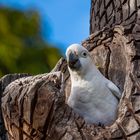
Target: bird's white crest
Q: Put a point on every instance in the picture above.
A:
(86, 62)
(93, 96)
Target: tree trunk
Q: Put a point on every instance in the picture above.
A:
(34, 107)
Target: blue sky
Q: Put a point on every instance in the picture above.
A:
(68, 20)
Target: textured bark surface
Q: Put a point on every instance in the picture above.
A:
(34, 107)
(3, 83)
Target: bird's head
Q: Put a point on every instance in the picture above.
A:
(78, 58)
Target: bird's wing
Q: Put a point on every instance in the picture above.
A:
(114, 89)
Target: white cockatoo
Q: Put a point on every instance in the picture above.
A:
(92, 96)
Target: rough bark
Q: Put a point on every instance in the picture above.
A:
(34, 107)
(3, 83)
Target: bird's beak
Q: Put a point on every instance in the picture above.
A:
(73, 61)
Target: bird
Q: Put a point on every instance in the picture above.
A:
(93, 96)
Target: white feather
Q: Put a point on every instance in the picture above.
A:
(92, 95)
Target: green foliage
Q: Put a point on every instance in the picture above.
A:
(22, 49)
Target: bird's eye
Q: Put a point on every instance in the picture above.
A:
(84, 54)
